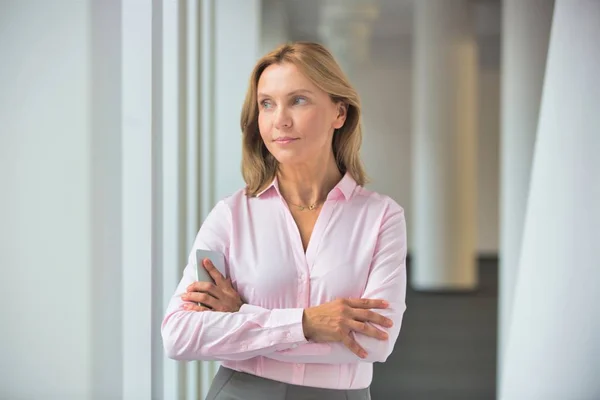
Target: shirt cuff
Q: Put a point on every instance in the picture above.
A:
(285, 326)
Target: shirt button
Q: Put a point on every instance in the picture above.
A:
(298, 366)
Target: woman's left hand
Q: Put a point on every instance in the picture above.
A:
(218, 296)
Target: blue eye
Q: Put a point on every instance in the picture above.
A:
(266, 104)
(299, 100)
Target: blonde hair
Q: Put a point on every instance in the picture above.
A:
(317, 64)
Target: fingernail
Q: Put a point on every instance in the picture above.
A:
(184, 296)
(186, 306)
(385, 303)
(390, 323)
(363, 354)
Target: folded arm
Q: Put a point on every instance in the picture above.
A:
(191, 335)
(387, 281)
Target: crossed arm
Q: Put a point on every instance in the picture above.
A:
(281, 334)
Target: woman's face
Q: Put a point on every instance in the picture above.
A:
(296, 119)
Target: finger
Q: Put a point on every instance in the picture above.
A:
(203, 298)
(372, 316)
(367, 303)
(353, 345)
(194, 307)
(228, 285)
(206, 287)
(367, 329)
(213, 271)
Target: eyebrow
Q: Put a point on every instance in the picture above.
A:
(292, 93)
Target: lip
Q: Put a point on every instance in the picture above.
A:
(285, 140)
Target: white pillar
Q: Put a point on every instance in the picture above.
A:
(444, 146)
(201, 374)
(175, 149)
(525, 35)
(553, 347)
(138, 192)
(207, 107)
(237, 48)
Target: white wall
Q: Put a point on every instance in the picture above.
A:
(385, 87)
(106, 265)
(274, 29)
(45, 252)
(60, 248)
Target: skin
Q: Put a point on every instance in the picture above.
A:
(297, 121)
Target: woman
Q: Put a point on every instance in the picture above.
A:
(316, 278)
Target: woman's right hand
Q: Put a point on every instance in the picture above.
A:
(337, 320)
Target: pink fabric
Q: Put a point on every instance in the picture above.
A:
(357, 249)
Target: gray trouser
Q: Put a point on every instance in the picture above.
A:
(233, 385)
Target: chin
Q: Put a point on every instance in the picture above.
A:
(289, 158)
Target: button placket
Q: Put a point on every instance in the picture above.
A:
(303, 288)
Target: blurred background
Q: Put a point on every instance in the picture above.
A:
(119, 131)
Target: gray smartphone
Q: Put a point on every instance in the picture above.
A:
(218, 260)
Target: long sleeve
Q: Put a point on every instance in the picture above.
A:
(190, 335)
(387, 280)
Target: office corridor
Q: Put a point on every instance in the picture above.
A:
(447, 346)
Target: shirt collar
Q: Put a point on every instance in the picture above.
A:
(274, 184)
(345, 187)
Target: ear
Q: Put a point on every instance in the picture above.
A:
(341, 115)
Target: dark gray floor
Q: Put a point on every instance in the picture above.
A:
(447, 346)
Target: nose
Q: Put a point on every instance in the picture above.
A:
(283, 120)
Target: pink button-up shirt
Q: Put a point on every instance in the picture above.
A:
(357, 249)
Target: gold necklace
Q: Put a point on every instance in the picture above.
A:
(302, 208)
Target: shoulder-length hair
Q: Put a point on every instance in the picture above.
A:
(317, 64)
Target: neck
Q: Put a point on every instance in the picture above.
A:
(307, 184)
